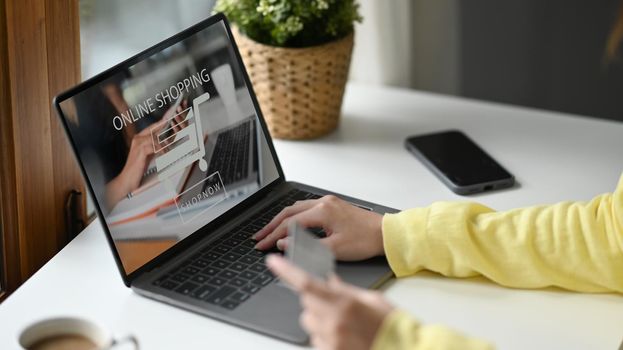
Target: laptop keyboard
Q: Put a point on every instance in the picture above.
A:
(231, 154)
(229, 270)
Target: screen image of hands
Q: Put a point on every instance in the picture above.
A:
(141, 152)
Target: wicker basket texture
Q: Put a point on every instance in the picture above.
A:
(299, 90)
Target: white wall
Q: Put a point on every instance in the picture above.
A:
(408, 43)
(113, 30)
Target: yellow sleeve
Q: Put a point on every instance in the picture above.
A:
(399, 331)
(572, 245)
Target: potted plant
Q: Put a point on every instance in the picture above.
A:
(297, 53)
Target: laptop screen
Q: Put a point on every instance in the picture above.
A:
(169, 141)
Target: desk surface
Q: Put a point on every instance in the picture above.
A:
(554, 157)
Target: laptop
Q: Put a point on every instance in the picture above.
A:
(192, 248)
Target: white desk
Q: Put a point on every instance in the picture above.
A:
(555, 157)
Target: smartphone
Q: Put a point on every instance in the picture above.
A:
(459, 162)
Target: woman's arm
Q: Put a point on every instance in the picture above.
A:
(573, 245)
(337, 315)
(400, 331)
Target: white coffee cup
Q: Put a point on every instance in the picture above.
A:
(71, 326)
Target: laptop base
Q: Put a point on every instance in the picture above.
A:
(274, 309)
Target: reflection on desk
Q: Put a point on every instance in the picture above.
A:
(135, 254)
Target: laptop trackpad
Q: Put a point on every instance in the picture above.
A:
(365, 274)
(277, 308)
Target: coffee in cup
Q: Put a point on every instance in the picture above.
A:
(64, 342)
(69, 333)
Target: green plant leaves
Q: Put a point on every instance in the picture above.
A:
(292, 23)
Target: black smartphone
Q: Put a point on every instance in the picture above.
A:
(459, 162)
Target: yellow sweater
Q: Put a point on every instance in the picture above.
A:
(573, 245)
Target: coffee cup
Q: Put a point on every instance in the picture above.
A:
(64, 333)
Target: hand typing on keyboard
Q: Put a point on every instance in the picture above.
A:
(352, 233)
(228, 271)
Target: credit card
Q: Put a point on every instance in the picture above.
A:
(305, 251)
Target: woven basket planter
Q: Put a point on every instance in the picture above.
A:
(300, 90)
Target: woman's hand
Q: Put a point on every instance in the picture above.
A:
(335, 315)
(178, 122)
(352, 233)
(130, 177)
(173, 121)
(142, 148)
(143, 145)
(141, 151)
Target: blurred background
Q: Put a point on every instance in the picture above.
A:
(541, 54)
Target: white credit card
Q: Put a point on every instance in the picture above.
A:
(305, 251)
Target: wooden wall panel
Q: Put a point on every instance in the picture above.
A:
(63, 73)
(8, 200)
(42, 53)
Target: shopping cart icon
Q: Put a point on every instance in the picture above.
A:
(175, 150)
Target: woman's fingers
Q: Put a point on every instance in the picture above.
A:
(159, 125)
(282, 244)
(178, 123)
(315, 326)
(143, 144)
(315, 294)
(289, 273)
(312, 217)
(145, 151)
(285, 213)
(295, 277)
(331, 241)
(320, 302)
(307, 321)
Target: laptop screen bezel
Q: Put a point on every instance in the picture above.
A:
(222, 219)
